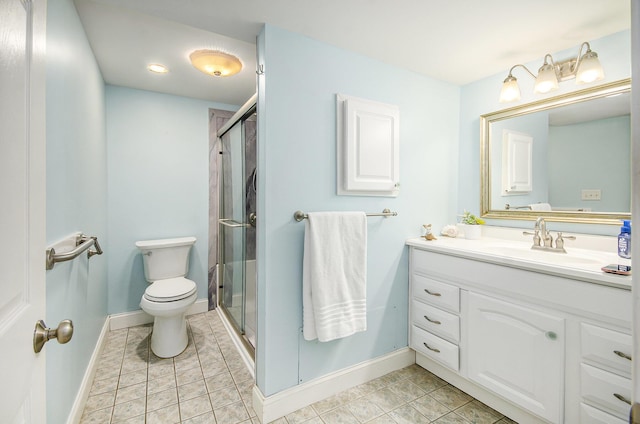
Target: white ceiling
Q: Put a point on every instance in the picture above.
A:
(459, 41)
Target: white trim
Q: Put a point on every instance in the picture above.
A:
(131, 319)
(287, 401)
(85, 387)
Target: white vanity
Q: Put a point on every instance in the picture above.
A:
(539, 336)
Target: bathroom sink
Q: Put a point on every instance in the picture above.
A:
(524, 252)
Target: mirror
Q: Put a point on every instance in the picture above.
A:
(567, 158)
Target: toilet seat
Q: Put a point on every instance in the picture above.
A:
(170, 290)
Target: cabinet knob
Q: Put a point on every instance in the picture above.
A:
(622, 354)
(551, 335)
(431, 348)
(432, 320)
(432, 293)
(622, 398)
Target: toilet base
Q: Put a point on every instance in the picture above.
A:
(169, 337)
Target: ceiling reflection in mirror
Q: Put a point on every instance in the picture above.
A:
(567, 158)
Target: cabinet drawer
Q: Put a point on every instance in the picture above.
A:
(436, 320)
(436, 293)
(606, 347)
(435, 347)
(591, 415)
(601, 387)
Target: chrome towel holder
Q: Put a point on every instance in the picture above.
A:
(299, 215)
(83, 242)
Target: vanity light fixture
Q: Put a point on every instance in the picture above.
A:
(215, 62)
(157, 68)
(585, 68)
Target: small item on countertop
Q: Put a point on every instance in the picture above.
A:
(624, 240)
(428, 234)
(617, 269)
(450, 231)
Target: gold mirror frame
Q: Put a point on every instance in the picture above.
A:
(610, 218)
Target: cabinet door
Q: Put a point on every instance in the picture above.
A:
(518, 353)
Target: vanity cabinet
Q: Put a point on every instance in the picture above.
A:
(536, 346)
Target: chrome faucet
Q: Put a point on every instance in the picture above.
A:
(542, 239)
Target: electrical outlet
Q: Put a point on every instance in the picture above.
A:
(592, 194)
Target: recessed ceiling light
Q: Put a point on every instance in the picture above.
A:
(157, 68)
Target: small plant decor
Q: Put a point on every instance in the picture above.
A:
(470, 219)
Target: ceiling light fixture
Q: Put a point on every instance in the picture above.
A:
(157, 68)
(585, 68)
(215, 63)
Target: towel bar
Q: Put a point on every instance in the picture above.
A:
(83, 242)
(299, 215)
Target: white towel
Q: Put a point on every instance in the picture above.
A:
(334, 275)
(545, 207)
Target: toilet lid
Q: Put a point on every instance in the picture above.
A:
(170, 290)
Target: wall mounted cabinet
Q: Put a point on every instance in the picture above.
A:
(368, 148)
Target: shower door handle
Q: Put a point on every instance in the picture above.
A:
(231, 223)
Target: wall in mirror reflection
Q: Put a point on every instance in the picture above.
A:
(569, 155)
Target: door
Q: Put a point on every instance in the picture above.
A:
(22, 215)
(518, 353)
(233, 225)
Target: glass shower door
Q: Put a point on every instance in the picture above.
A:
(232, 225)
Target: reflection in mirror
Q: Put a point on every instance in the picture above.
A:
(567, 158)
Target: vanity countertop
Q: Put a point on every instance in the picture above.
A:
(578, 264)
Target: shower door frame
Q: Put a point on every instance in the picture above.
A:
(248, 109)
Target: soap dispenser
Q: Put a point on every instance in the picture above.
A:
(624, 240)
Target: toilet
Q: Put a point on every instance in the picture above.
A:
(169, 294)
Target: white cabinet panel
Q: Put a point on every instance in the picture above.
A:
(518, 353)
(606, 347)
(590, 415)
(435, 347)
(368, 147)
(517, 150)
(439, 294)
(436, 320)
(605, 390)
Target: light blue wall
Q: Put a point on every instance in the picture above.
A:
(481, 97)
(600, 159)
(76, 201)
(537, 126)
(158, 183)
(297, 170)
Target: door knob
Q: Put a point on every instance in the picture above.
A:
(42, 334)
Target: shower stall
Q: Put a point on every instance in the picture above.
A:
(237, 224)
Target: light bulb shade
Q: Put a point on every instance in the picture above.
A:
(546, 79)
(215, 63)
(589, 69)
(510, 90)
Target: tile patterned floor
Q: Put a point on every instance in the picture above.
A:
(209, 384)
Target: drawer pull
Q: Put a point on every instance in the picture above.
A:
(432, 320)
(432, 293)
(622, 354)
(622, 398)
(438, 351)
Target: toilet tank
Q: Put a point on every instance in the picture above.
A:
(165, 258)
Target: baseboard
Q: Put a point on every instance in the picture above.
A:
(131, 319)
(85, 387)
(287, 401)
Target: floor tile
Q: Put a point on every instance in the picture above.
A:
(208, 383)
(194, 407)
